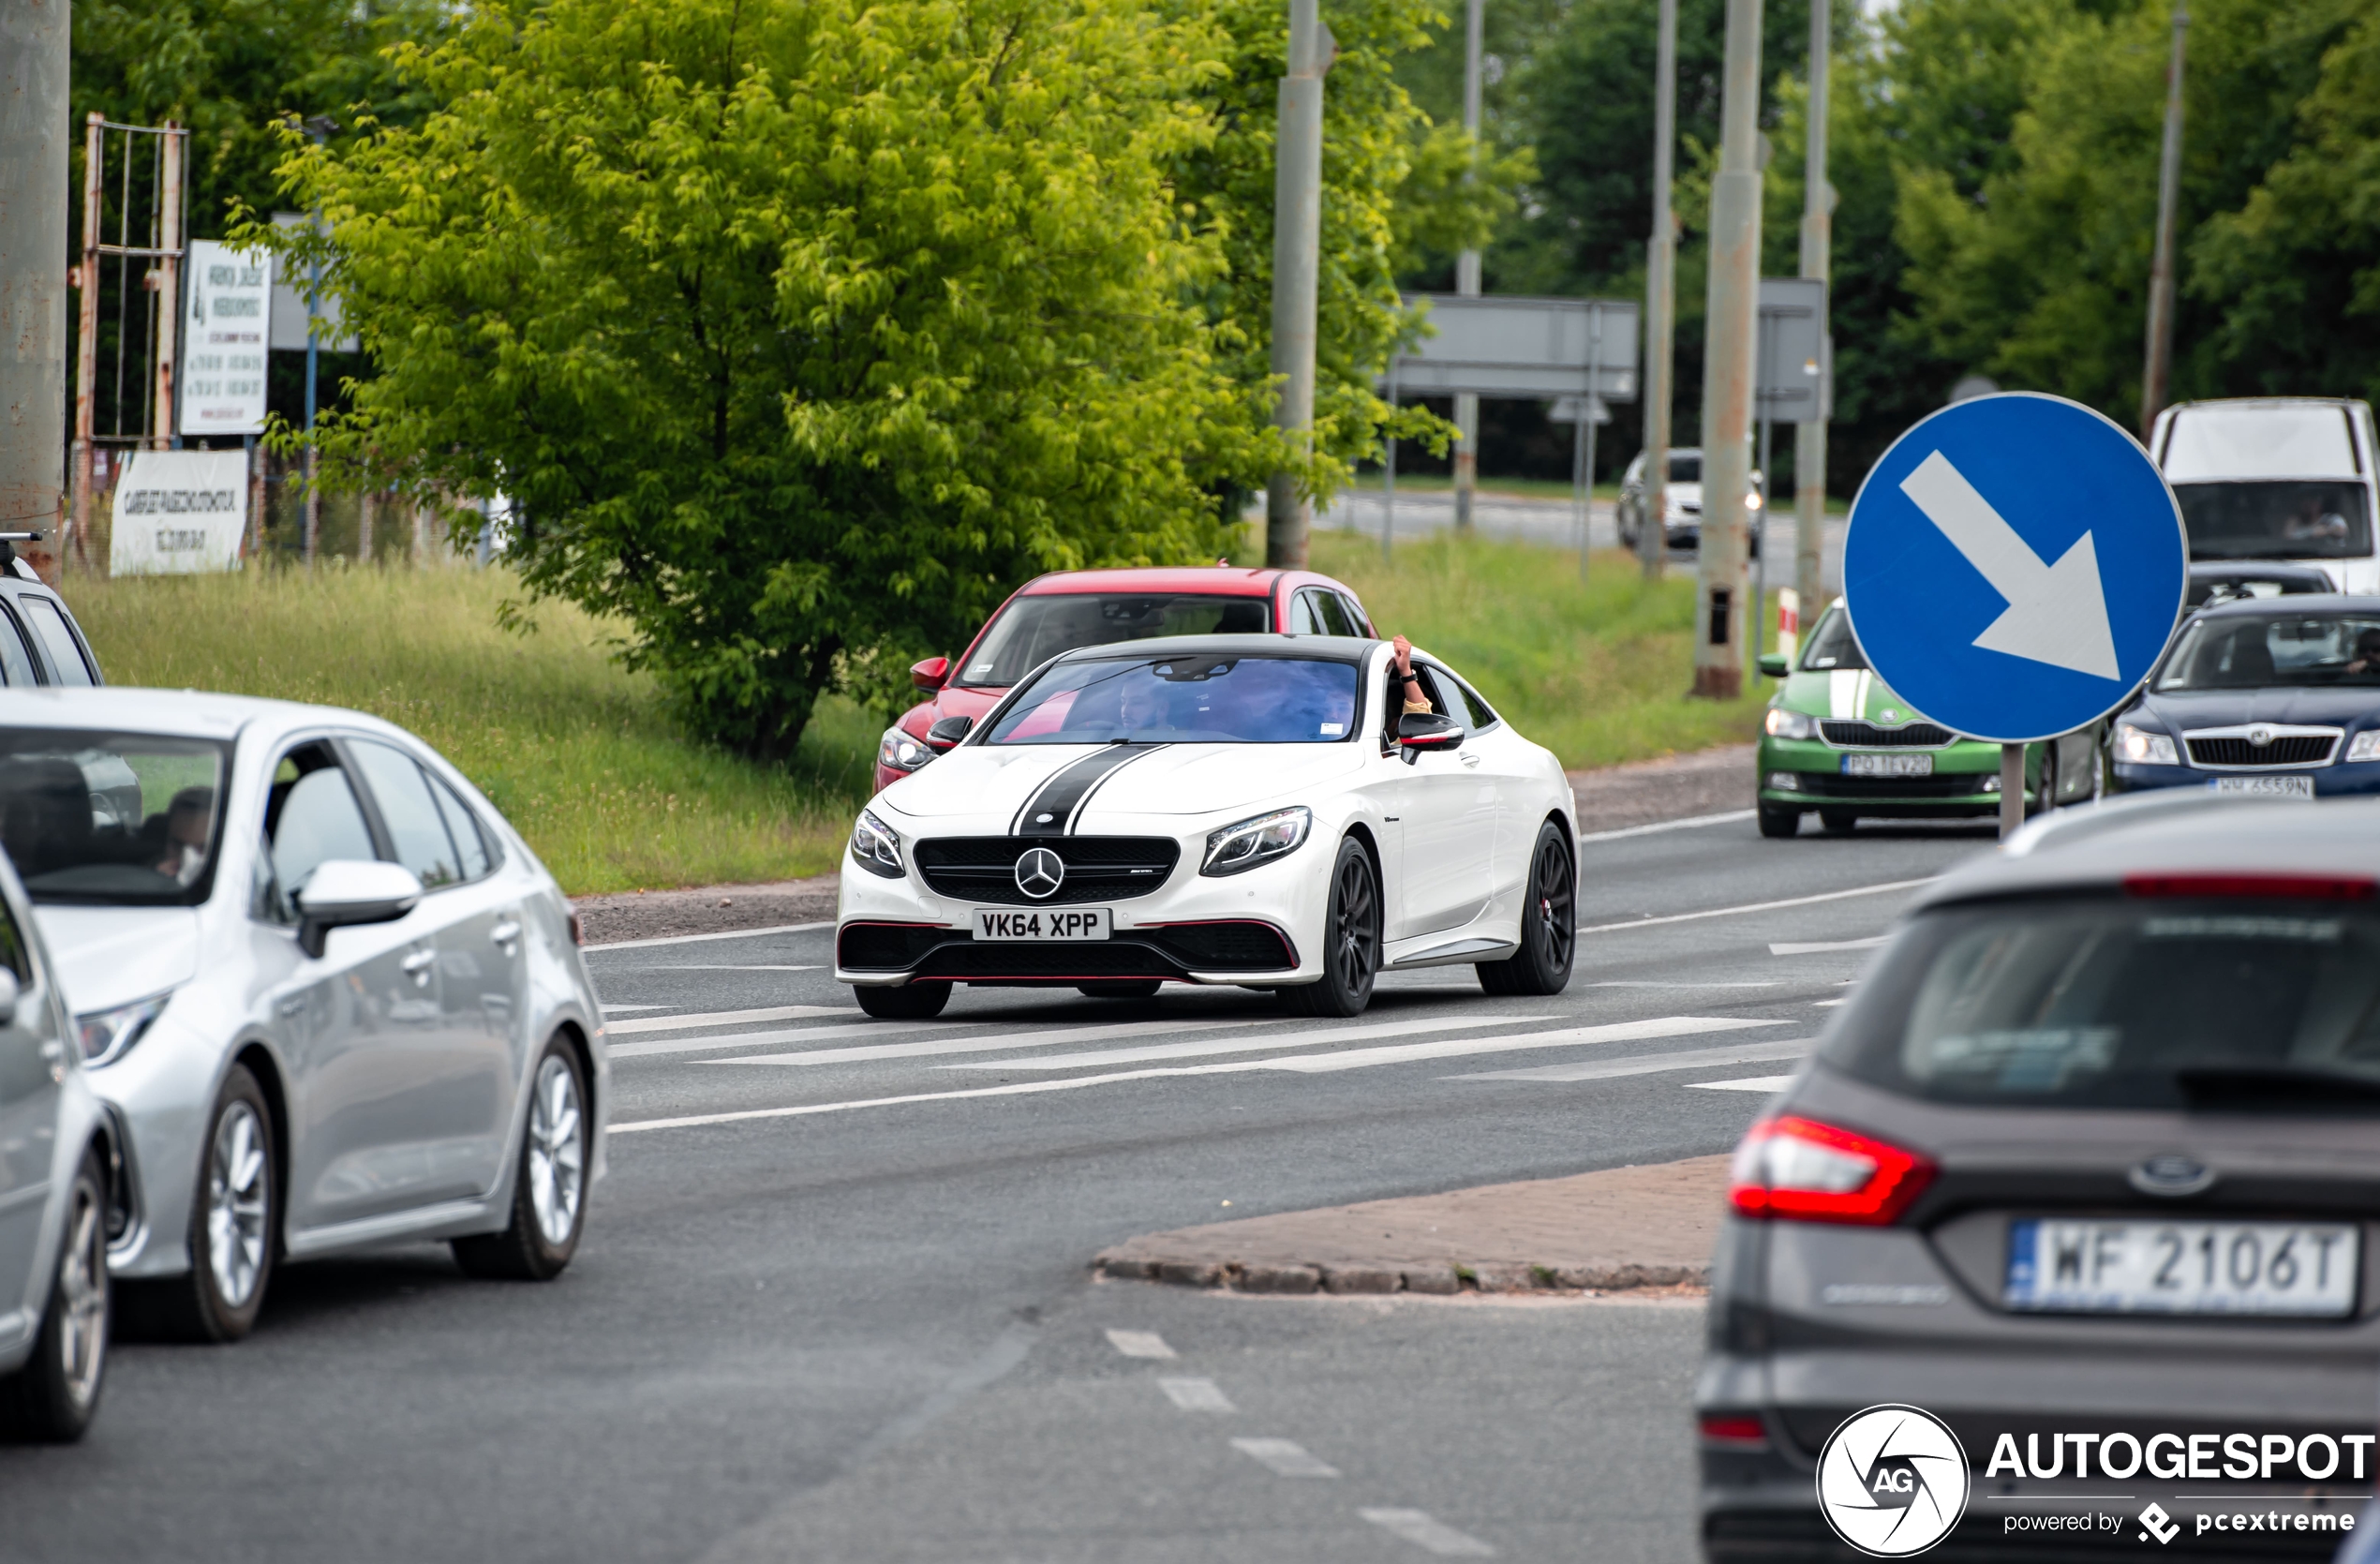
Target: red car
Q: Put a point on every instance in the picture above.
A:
(1057, 612)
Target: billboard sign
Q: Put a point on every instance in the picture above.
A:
(180, 513)
(229, 300)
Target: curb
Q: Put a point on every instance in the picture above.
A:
(1430, 1279)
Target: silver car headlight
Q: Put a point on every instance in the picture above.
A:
(877, 846)
(1254, 841)
(107, 1035)
(2365, 745)
(2145, 746)
(901, 751)
(1783, 723)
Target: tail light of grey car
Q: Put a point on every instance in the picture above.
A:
(1794, 1169)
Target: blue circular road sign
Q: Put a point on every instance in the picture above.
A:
(2014, 566)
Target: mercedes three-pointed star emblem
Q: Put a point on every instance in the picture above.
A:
(1040, 873)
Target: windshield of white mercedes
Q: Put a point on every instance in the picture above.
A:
(1200, 698)
(1033, 630)
(111, 819)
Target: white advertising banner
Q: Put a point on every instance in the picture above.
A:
(229, 322)
(180, 513)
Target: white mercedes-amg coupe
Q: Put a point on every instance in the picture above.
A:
(1252, 810)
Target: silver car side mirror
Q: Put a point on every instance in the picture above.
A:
(343, 892)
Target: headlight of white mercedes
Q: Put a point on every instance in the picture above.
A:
(1254, 841)
(106, 1036)
(2141, 746)
(877, 846)
(901, 751)
(1783, 723)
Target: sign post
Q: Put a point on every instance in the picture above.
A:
(2013, 567)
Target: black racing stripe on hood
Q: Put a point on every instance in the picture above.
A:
(1061, 799)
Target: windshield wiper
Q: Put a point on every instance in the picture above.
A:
(2255, 1086)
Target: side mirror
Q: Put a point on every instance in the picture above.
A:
(930, 675)
(343, 892)
(1773, 665)
(1422, 732)
(8, 997)
(948, 731)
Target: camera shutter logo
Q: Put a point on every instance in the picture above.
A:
(1893, 1480)
(1040, 873)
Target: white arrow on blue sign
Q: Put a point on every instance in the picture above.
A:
(2014, 567)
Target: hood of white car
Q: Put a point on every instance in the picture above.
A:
(111, 955)
(996, 782)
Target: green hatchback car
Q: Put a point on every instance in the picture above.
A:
(1837, 740)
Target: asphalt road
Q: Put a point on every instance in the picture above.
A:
(834, 1303)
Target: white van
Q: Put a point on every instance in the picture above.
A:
(2276, 478)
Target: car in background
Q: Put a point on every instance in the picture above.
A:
(58, 1157)
(2090, 1150)
(1257, 811)
(39, 641)
(328, 996)
(2277, 696)
(1836, 740)
(2224, 581)
(1682, 517)
(1069, 609)
(2283, 477)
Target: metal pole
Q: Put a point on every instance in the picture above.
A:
(87, 346)
(1296, 245)
(252, 540)
(2012, 789)
(1387, 476)
(1581, 495)
(162, 423)
(1661, 313)
(313, 344)
(34, 184)
(1466, 280)
(1818, 237)
(1734, 317)
(2158, 355)
(1758, 624)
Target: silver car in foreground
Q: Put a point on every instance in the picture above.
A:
(327, 996)
(2088, 1170)
(56, 1152)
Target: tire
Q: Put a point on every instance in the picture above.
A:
(235, 1221)
(549, 1186)
(1781, 820)
(1350, 942)
(1549, 924)
(54, 1397)
(910, 1001)
(1122, 987)
(1839, 822)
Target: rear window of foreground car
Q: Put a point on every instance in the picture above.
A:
(1033, 630)
(1185, 699)
(2156, 1002)
(115, 819)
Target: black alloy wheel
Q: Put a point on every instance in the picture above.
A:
(910, 1001)
(1351, 942)
(1549, 924)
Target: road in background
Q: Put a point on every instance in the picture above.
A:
(863, 1314)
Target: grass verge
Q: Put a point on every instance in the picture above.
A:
(580, 754)
(1595, 671)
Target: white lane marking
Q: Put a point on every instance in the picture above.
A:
(1287, 1457)
(1728, 818)
(731, 1018)
(1242, 1045)
(1140, 1343)
(729, 966)
(611, 1010)
(1309, 1063)
(1196, 1395)
(980, 1045)
(1640, 983)
(1768, 1084)
(1657, 1064)
(1416, 1526)
(770, 1039)
(695, 939)
(1813, 947)
(1761, 906)
(1828, 1004)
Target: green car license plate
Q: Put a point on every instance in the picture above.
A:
(1888, 765)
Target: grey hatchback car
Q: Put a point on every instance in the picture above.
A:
(2087, 1170)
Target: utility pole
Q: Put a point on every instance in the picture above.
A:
(2159, 356)
(33, 276)
(1661, 311)
(1722, 614)
(1297, 246)
(1818, 235)
(319, 129)
(168, 297)
(1467, 279)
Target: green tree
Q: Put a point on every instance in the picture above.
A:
(799, 333)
